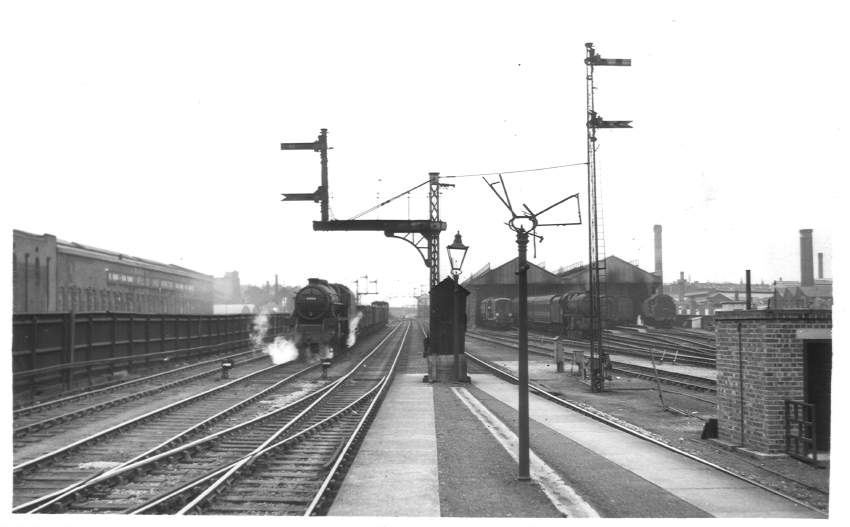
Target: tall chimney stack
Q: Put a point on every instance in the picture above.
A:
(820, 266)
(807, 273)
(658, 271)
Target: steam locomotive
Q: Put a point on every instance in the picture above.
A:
(327, 320)
(659, 310)
(569, 313)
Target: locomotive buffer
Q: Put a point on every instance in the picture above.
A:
(424, 235)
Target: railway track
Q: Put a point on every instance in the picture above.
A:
(285, 461)
(630, 429)
(671, 378)
(67, 409)
(236, 400)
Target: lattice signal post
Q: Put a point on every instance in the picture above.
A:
(599, 360)
(424, 235)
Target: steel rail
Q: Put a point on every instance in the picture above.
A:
(251, 458)
(136, 420)
(151, 456)
(58, 495)
(542, 392)
(673, 378)
(159, 501)
(498, 339)
(129, 467)
(26, 410)
(80, 412)
(362, 425)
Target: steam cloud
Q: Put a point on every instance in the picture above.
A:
(352, 329)
(282, 350)
(260, 328)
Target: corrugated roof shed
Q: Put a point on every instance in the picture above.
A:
(618, 271)
(505, 274)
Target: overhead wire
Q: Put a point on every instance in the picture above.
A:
(408, 191)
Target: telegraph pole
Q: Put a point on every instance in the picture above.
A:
(598, 356)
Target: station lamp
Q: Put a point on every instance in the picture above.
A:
(457, 254)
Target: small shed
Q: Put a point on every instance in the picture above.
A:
(445, 352)
(444, 297)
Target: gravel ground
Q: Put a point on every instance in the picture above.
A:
(637, 402)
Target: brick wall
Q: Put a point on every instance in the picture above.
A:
(772, 368)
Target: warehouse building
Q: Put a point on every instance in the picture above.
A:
(51, 275)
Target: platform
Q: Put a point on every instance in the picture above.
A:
(449, 450)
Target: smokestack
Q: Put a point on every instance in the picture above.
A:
(820, 266)
(807, 273)
(658, 271)
(749, 292)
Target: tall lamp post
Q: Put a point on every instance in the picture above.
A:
(457, 255)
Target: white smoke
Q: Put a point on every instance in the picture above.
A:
(352, 329)
(259, 328)
(282, 350)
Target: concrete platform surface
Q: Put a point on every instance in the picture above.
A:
(395, 471)
(710, 490)
(449, 450)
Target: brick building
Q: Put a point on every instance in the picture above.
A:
(228, 289)
(764, 358)
(54, 275)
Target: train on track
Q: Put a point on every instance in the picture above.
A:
(328, 320)
(568, 313)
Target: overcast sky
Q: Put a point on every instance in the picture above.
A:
(154, 129)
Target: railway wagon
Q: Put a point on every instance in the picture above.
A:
(372, 317)
(544, 311)
(495, 313)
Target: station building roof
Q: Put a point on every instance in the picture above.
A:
(87, 251)
(95, 253)
(505, 275)
(617, 271)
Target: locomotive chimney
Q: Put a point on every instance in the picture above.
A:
(807, 273)
(658, 271)
(820, 266)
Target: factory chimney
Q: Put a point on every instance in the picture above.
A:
(807, 273)
(658, 272)
(820, 266)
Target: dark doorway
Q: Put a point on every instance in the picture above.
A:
(817, 369)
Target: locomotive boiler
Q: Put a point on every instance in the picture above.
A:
(322, 313)
(659, 310)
